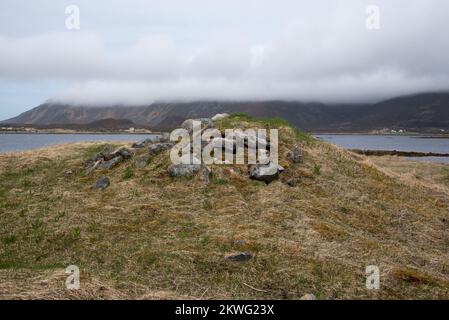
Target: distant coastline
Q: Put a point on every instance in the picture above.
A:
(85, 132)
(421, 135)
(30, 130)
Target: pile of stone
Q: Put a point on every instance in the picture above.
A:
(165, 137)
(109, 158)
(266, 172)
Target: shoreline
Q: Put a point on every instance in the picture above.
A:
(414, 154)
(86, 132)
(411, 134)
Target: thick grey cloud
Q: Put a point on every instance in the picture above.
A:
(137, 52)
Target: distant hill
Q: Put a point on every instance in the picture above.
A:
(420, 112)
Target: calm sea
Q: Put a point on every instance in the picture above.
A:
(27, 141)
(399, 143)
(17, 142)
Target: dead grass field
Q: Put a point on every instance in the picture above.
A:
(149, 236)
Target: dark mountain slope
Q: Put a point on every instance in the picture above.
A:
(421, 112)
(430, 110)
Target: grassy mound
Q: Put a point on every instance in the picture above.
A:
(151, 236)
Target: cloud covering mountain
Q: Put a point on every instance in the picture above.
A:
(137, 52)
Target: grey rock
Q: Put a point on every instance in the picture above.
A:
(264, 172)
(206, 123)
(101, 183)
(295, 155)
(125, 153)
(219, 116)
(308, 296)
(157, 148)
(99, 156)
(183, 170)
(110, 163)
(106, 154)
(238, 257)
(164, 137)
(142, 161)
(142, 143)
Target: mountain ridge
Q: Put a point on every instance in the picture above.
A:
(418, 112)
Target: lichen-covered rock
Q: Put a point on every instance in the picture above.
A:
(295, 155)
(183, 170)
(101, 183)
(265, 172)
(157, 148)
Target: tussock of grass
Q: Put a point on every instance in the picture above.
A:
(150, 236)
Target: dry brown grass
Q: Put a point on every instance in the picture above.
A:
(430, 175)
(149, 233)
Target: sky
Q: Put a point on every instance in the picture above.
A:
(136, 52)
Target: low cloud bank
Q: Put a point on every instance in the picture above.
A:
(329, 58)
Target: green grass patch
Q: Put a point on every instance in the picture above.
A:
(128, 173)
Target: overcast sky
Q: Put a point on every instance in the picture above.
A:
(136, 52)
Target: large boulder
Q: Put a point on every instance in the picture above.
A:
(183, 170)
(265, 172)
(101, 183)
